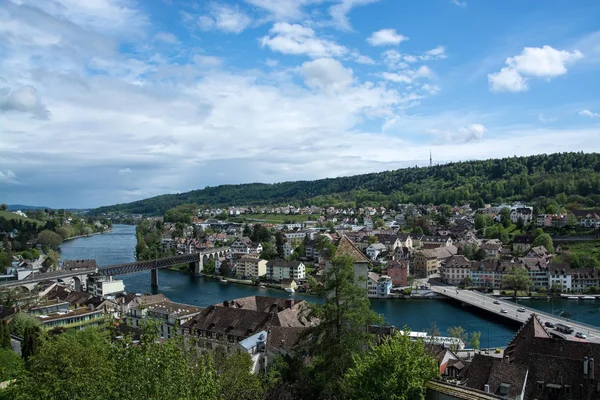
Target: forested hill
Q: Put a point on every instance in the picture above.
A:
(568, 177)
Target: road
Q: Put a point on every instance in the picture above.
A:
(495, 306)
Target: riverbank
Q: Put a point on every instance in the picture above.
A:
(86, 236)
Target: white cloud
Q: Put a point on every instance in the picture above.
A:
(166, 37)
(283, 10)
(339, 12)
(545, 62)
(362, 59)
(327, 74)
(8, 177)
(125, 171)
(386, 37)
(297, 39)
(507, 80)
(207, 61)
(409, 76)
(463, 134)
(229, 19)
(434, 54)
(271, 63)
(589, 114)
(459, 3)
(24, 99)
(395, 60)
(545, 119)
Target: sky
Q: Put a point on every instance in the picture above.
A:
(110, 101)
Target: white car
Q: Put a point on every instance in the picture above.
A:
(503, 311)
(580, 335)
(520, 309)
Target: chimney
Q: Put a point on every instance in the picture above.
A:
(585, 366)
(507, 359)
(591, 368)
(486, 388)
(289, 303)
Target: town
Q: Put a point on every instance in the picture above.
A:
(499, 250)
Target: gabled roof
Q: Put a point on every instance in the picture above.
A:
(346, 247)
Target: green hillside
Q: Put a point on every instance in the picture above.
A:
(568, 177)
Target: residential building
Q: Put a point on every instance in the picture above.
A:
(537, 270)
(79, 318)
(543, 220)
(390, 241)
(492, 249)
(405, 240)
(455, 270)
(398, 271)
(243, 245)
(170, 315)
(432, 242)
(375, 249)
(584, 278)
(295, 235)
(251, 267)
(288, 248)
(372, 283)
(559, 276)
(525, 214)
(99, 285)
(588, 219)
(344, 246)
(256, 346)
(427, 262)
(277, 270)
(522, 243)
(384, 286)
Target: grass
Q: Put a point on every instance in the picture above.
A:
(10, 216)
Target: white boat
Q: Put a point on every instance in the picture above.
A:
(223, 280)
(262, 286)
(572, 297)
(589, 298)
(289, 290)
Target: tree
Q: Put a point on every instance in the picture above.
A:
(3, 206)
(480, 255)
(517, 279)
(480, 203)
(433, 330)
(11, 365)
(279, 241)
(475, 340)
(20, 322)
(468, 281)
(544, 240)
(268, 251)
(417, 230)
(479, 221)
(342, 333)
(5, 260)
(49, 239)
(396, 369)
(31, 341)
(5, 336)
(235, 376)
(457, 332)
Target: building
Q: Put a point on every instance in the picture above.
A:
(522, 243)
(537, 270)
(375, 249)
(170, 315)
(277, 270)
(492, 249)
(79, 318)
(456, 270)
(384, 286)
(588, 219)
(427, 262)
(524, 214)
(256, 347)
(431, 242)
(243, 245)
(559, 276)
(398, 271)
(250, 267)
(372, 282)
(99, 285)
(344, 246)
(405, 240)
(583, 279)
(288, 249)
(390, 241)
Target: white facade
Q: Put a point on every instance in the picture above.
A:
(561, 280)
(374, 250)
(105, 286)
(279, 270)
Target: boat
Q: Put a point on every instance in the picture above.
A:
(589, 298)
(289, 290)
(223, 280)
(262, 286)
(572, 297)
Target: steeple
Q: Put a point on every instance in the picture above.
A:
(430, 159)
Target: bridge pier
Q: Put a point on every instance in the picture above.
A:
(154, 278)
(196, 266)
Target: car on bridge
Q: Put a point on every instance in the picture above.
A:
(496, 302)
(520, 309)
(503, 311)
(580, 335)
(549, 324)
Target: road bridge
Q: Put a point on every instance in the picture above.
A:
(196, 262)
(495, 306)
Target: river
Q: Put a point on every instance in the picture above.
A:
(118, 247)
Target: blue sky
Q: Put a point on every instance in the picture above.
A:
(109, 101)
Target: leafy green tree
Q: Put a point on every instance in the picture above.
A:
(517, 279)
(5, 336)
(480, 255)
(5, 260)
(268, 251)
(433, 330)
(279, 241)
(457, 332)
(235, 376)
(544, 240)
(475, 340)
(342, 333)
(48, 238)
(468, 281)
(20, 322)
(31, 341)
(396, 369)
(479, 221)
(3, 206)
(11, 365)
(51, 261)
(480, 203)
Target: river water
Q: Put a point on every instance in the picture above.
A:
(118, 247)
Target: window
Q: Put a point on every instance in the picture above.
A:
(567, 389)
(540, 385)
